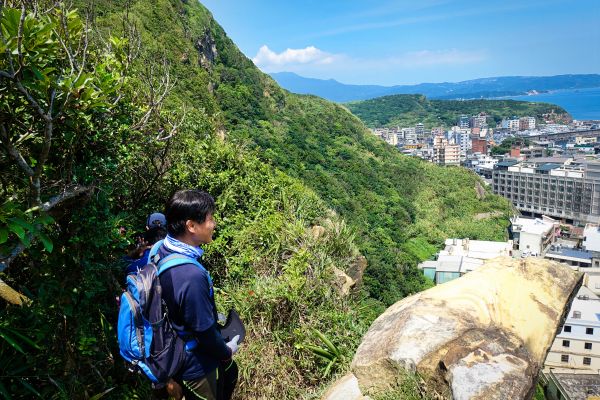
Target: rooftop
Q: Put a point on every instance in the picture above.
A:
(567, 253)
(578, 386)
(480, 249)
(532, 225)
(587, 304)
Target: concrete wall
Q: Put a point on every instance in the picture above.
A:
(531, 240)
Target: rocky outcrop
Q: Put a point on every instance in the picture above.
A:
(483, 336)
(207, 49)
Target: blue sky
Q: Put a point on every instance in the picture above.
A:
(406, 42)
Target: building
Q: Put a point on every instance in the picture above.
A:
(577, 345)
(461, 256)
(410, 135)
(562, 188)
(478, 121)
(463, 121)
(533, 236)
(563, 385)
(526, 123)
(445, 153)
(420, 131)
(591, 237)
(574, 257)
(463, 140)
(479, 145)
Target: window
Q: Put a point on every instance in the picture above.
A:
(589, 331)
(564, 358)
(567, 328)
(588, 346)
(587, 361)
(566, 343)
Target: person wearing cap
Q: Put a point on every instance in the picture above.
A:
(156, 229)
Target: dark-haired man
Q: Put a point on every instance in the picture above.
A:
(209, 371)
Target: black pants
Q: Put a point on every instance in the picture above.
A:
(218, 385)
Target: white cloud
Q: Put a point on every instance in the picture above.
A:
(269, 61)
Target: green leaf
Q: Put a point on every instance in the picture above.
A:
(48, 245)
(30, 388)
(23, 338)
(3, 235)
(100, 395)
(16, 229)
(4, 392)
(11, 341)
(26, 225)
(332, 348)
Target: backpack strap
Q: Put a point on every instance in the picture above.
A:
(154, 250)
(174, 260)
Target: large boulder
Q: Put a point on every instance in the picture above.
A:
(483, 336)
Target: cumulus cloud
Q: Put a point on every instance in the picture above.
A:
(271, 61)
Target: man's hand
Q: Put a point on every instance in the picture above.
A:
(233, 344)
(174, 390)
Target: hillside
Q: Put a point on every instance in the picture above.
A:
(333, 90)
(165, 100)
(408, 110)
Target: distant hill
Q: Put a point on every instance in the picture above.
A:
(472, 89)
(408, 109)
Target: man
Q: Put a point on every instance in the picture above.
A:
(209, 371)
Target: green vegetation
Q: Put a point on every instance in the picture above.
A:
(406, 110)
(102, 121)
(507, 144)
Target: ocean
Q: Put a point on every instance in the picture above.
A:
(582, 104)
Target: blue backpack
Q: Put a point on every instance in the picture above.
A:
(147, 341)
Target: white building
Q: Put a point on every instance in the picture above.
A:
(461, 256)
(577, 346)
(410, 135)
(591, 235)
(533, 235)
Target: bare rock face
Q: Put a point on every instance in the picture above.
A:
(483, 336)
(207, 49)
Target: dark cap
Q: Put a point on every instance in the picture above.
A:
(156, 220)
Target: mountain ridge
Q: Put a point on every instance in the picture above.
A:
(334, 90)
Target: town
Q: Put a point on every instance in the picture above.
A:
(550, 172)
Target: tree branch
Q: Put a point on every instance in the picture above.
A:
(66, 195)
(47, 206)
(14, 152)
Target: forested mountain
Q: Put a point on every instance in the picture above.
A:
(101, 119)
(333, 90)
(406, 110)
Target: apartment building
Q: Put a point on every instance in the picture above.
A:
(445, 153)
(562, 188)
(577, 345)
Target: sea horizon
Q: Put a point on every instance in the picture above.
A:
(582, 104)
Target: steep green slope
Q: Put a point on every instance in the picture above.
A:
(373, 187)
(286, 160)
(406, 110)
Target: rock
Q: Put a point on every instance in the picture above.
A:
(317, 231)
(345, 388)
(357, 270)
(483, 336)
(207, 49)
(479, 190)
(343, 282)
